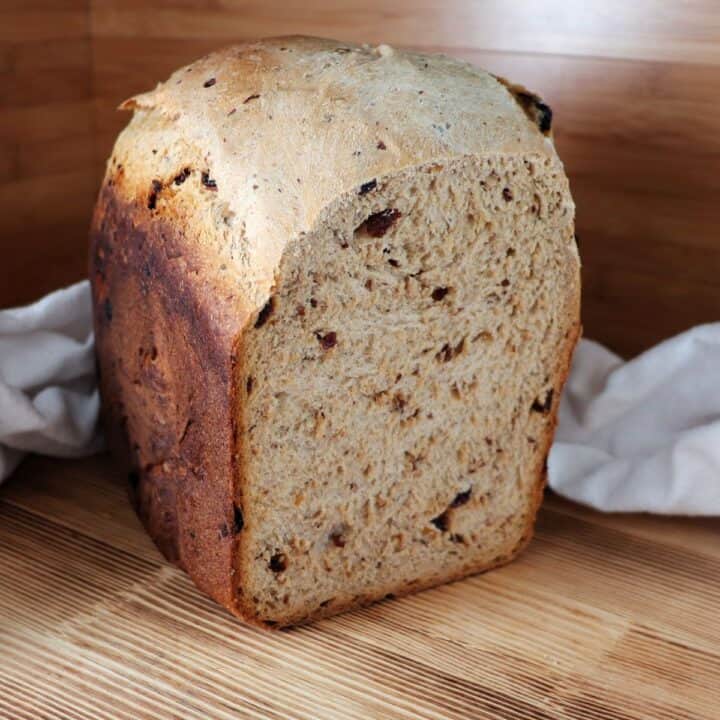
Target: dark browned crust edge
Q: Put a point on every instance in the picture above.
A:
(563, 372)
(164, 360)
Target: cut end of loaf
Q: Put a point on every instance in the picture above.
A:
(398, 390)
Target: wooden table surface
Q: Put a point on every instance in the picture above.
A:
(603, 617)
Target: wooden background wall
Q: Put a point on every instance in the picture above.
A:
(635, 87)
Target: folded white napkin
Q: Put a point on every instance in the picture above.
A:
(48, 396)
(642, 435)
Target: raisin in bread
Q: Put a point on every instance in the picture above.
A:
(336, 294)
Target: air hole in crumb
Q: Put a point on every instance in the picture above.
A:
(278, 563)
(507, 194)
(445, 354)
(337, 538)
(369, 284)
(442, 521)
(510, 252)
(461, 498)
(265, 313)
(238, 521)
(313, 303)
(249, 384)
(439, 293)
(393, 262)
(505, 282)
(209, 83)
(254, 96)
(367, 187)
(381, 145)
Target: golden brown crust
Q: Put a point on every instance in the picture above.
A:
(165, 366)
(562, 374)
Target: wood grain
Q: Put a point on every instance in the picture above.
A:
(644, 29)
(47, 145)
(603, 617)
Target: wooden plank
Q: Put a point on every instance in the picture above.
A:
(43, 5)
(602, 617)
(42, 72)
(54, 157)
(53, 258)
(100, 500)
(40, 24)
(44, 223)
(46, 140)
(47, 147)
(626, 310)
(46, 122)
(645, 29)
(48, 201)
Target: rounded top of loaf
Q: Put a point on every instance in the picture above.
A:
(246, 147)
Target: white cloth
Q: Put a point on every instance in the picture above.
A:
(642, 435)
(48, 395)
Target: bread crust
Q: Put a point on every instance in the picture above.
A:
(165, 364)
(182, 261)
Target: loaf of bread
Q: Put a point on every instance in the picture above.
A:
(336, 294)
